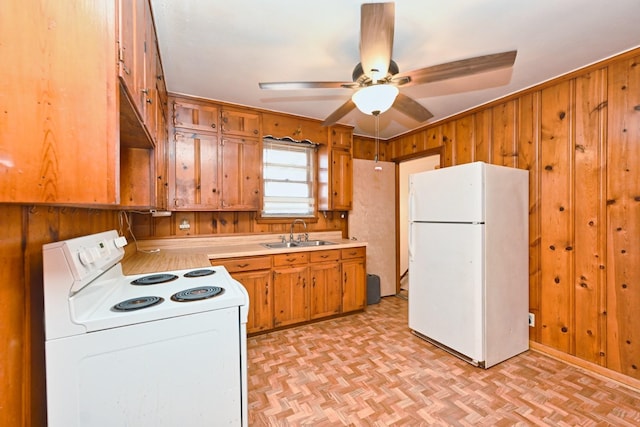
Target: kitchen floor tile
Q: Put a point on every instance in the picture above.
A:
(368, 369)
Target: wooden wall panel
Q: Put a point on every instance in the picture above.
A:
(14, 327)
(464, 147)
(623, 211)
(448, 141)
(529, 159)
(503, 134)
(578, 137)
(555, 214)
(590, 113)
(482, 135)
(23, 231)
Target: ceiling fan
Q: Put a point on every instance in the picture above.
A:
(377, 77)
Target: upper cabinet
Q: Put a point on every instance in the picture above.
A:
(240, 123)
(214, 167)
(67, 121)
(58, 103)
(196, 116)
(335, 171)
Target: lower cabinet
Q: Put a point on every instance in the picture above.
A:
(291, 293)
(324, 273)
(354, 293)
(296, 287)
(254, 273)
(259, 287)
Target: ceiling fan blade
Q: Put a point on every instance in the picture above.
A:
(461, 68)
(304, 85)
(411, 108)
(342, 111)
(376, 38)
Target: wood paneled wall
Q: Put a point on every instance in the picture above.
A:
(217, 223)
(579, 137)
(23, 231)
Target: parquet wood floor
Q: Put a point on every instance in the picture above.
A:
(369, 370)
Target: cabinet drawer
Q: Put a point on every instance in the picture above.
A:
(244, 264)
(353, 253)
(291, 259)
(322, 256)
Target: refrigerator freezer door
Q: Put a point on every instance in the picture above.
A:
(446, 285)
(453, 194)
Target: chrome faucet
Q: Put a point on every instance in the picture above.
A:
(306, 235)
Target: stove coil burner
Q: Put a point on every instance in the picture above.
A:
(137, 303)
(154, 279)
(199, 273)
(195, 294)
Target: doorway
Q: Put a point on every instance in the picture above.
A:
(405, 169)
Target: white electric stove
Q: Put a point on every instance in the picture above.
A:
(162, 349)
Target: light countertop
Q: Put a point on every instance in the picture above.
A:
(157, 255)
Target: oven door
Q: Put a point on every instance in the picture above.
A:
(182, 371)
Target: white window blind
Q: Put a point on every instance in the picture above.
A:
(288, 176)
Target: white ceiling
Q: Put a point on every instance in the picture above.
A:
(221, 49)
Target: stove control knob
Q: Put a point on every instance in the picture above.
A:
(85, 257)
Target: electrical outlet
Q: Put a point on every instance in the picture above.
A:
(532, 320)
(184, 225)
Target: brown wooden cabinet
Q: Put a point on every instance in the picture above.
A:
(241, 123)
(324, 273)
(353, 279)
(59, 104)
(77, 136)
(193, 175)
(291, 290)
(200, 117)
(209, 170)
(335, 179)
(240, 173)
(254, 273)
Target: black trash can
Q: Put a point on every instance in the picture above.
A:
(373, 289)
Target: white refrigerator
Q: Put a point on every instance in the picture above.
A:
(468, 260)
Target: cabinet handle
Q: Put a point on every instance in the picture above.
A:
(149, 101)
(255, 131)
(242, 265)
(313, 281)
(213, 125)
(324, 256)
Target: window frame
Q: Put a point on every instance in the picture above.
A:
(287, 218)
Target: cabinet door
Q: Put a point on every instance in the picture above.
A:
(326, 298)
(132, 48)
(240, 123)
(341, 179)
(291, 295)
(340, 138)
(240, 166)
(149, 89)
(193, 178)
(353, 285)
(258, 286)
(194, 116)
(58, 131)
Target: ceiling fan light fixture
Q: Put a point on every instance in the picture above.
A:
(375, 98)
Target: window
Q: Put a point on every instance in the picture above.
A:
(288, 176)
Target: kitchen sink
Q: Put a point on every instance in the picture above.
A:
(280, 245)
(301, 244)
(314, 243)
